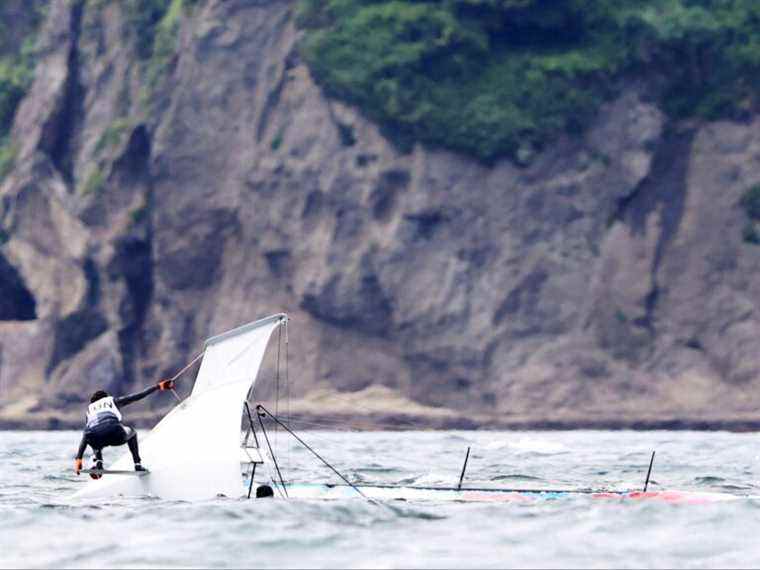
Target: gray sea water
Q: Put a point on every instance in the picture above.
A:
(41, 526)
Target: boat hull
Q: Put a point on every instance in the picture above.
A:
(484, 495)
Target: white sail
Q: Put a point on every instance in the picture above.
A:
(194, 452)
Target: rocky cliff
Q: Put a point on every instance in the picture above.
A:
(154, 202)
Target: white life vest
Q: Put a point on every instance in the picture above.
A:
(102, 410)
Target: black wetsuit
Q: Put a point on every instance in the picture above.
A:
(105, 428)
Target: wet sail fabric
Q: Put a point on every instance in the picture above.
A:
(194, 452)
(229, 357)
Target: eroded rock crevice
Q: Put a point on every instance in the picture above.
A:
(16, 301)
(273, 97)
(355, 301)
(662, 193)
(133, 164)
(384, 197)
(134, 262)
(73, 332)
(133, 257)
(59, 144)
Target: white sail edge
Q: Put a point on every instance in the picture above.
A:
(226, 356)
(280, 318)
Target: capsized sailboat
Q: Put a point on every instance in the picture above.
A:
(495, 495)
(460, 493)
(195, 452)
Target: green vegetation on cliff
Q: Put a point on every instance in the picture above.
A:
(95, 182)
(8, 152)
(156, 24)
(502, 77)
(17, 58)
(164, 43)
(144, 17)
(15, 78)
(113, 135)
(751, 203)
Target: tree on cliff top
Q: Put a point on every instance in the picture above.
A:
(494, 77)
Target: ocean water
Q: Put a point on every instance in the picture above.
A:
(41, 526)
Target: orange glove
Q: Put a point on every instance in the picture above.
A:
(166, 385)
(77, 466)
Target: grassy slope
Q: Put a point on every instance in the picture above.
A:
(16, 72)
(502, 77)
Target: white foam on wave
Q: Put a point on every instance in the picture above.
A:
(530, 445)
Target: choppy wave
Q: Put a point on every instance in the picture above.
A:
(41, 526)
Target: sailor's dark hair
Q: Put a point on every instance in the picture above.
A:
(98, 395)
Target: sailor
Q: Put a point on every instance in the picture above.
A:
(104, 428)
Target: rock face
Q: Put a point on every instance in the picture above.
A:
(607, 280)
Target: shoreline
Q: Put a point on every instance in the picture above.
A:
(404, 422)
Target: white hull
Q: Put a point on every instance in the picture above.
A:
(430, 494)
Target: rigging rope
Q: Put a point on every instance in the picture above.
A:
(253, 431)
(277, 382)
(261, 408)
(185, 369)
(271, 453)
(287, 386)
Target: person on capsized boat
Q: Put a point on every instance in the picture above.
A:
(104, 428)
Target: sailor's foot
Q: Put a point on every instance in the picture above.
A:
(139, 467)
(99, 466)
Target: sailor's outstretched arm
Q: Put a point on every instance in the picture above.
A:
(126, 400)
(131, 398)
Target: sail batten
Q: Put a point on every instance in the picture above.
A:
(194, 452)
